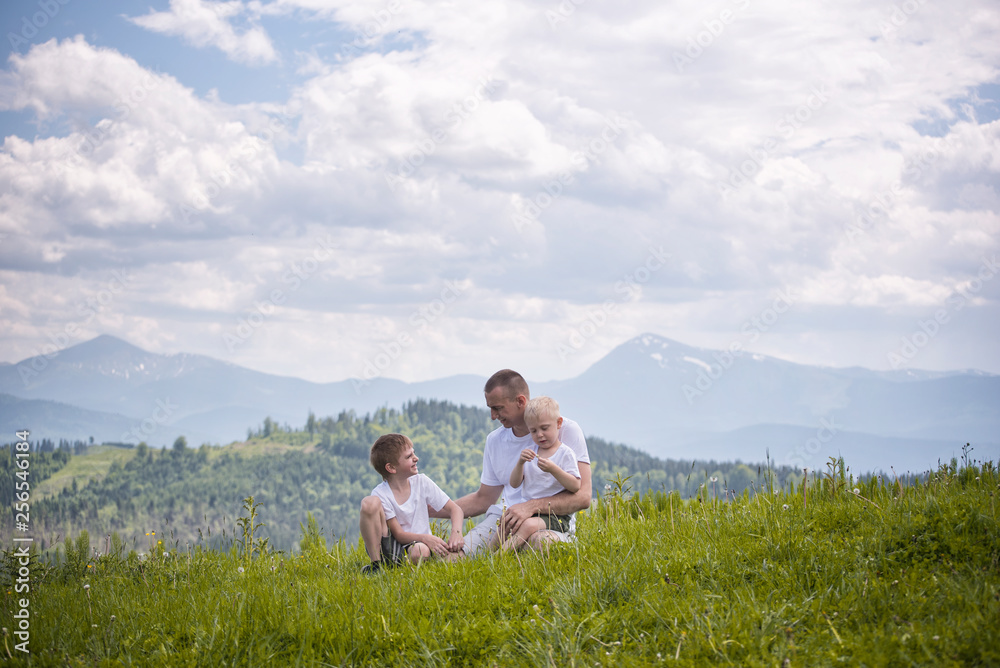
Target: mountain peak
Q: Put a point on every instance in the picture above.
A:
(111, 357)
(103, 346)
(650, 341)
(657, 347)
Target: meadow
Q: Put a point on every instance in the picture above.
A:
(837, 572)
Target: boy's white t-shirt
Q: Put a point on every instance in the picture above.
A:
(412, 514)
(538, 484)
(503, 450)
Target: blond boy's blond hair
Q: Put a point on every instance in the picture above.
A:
(541, 407)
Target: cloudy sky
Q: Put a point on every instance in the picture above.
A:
(311, 187)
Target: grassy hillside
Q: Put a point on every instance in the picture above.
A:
(194, 494)
(847, 572)
(82, 469)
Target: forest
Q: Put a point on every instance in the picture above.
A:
(193, 495)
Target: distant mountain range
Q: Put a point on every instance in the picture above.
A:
(668, 398)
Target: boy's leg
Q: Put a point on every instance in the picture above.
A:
(556, 530)
(525, 532)
(373, 526)
(417, 552)
(544, 538)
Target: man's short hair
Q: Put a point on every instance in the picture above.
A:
(510, 380)
(540, 408)
(387, 450)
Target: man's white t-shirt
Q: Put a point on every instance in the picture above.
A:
(503, 450)
(412, 514)
(538, 484)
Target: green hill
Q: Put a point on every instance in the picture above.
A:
(193, 495)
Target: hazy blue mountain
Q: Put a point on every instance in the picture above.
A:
(161, 397)
(55, 420)
(801, 446)
(668, 398)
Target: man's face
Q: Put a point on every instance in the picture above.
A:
(544, 430)
(407, 464)
(506, 410)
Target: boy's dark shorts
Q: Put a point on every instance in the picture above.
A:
(393, 551)
(555, 522)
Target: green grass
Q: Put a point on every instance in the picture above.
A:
(94, 465)
(891, 575)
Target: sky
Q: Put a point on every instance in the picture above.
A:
(413, 190)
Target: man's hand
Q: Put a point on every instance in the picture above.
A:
(437, 545)
(515, 515)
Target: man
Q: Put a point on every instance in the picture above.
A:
(507, 395)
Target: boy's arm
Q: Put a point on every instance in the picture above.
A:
(437, 545)
(570, 482)
(455, 542)
(517, 474)
(475, 503)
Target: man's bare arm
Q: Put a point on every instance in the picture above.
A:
(473, 504)
(563, 503)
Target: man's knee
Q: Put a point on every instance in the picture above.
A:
(483, 537)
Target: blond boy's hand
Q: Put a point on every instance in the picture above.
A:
(456, 542)
(527, 455)
(545, 464)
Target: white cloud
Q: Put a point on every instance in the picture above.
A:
(158, 155)
(814, 103)
(208, 24)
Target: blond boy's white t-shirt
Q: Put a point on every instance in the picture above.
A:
(412, 514)
(537, 484)
(503, 449)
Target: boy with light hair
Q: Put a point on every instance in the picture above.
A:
(394, 519)
(542, 471)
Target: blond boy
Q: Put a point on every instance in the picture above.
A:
(394, 519)
(543, 471)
